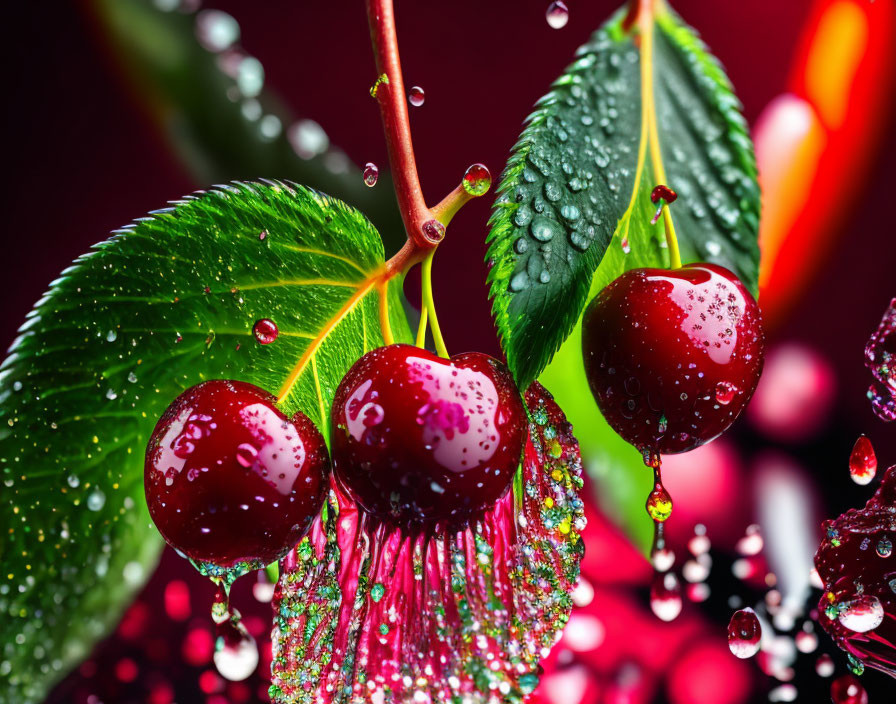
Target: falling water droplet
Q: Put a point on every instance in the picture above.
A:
(744, 633)
(371, 173)
(862, 614)
(477, 180)
(725, 392)
(665, 596)
(862, 461)
(236, 653)
(662, 559)
(265, 331)
(416, 97)
(659, 504)
(824, 666)
(557, 14)
(847, 689)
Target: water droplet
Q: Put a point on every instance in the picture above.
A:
(725, 392)
(557, 14)
(626, 245)
(265, 331)
(862, 461)
(543, 229)
(112, 335)
(236, 653)
(751, 543)
(884, 547)
(377, 591)
(96, 500)
(416, 97)
(847, 689)
(744, 633)
(308, 139)
(662, 559)
(477, 180)
(824, 666)
(216, 30)
(665, 596)
(659, 504)
(371, 174)
(73, 481)
(433, 230)
(862, 614)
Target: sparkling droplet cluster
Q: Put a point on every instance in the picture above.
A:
(880, 358)
(433, 614)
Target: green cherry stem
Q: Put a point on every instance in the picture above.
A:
(429, 307)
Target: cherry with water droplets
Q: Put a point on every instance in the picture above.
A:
(416, 437)
(265, 331)
(370, 174)
(658, 345)
(230, 481)
(847, 689)
(744, 633)
(862, 461)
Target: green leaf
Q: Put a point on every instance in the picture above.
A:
(162, 305)
(218, 131)
(632, 111)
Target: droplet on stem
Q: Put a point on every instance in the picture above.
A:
(557, 14)
(265, 331)
(434, 230)
(862, 461)
(477, 180)
(371, 174)
(416, 97)
(744, 633)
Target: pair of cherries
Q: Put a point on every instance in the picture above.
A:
(672, 357)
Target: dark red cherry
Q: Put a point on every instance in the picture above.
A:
(857, 564)
(419, 438)
(230, 479)
(672, 357)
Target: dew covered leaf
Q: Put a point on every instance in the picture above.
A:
(576, 191)
(365, 612)
(164, 304)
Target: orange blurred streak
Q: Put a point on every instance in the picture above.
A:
(814, 145)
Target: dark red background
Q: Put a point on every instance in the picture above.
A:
(82, 159)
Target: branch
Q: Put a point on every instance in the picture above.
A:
(389, 93)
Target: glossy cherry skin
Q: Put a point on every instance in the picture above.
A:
(230, 479)
(416, 437)
(672, 357)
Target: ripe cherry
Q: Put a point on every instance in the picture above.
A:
(229, 479)
(672, 357)
(416, 437)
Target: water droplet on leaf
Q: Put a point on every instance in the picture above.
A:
(265, 331)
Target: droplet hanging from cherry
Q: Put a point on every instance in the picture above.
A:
(665, 596)
(862, 461)
(744, 633)
(371, 174)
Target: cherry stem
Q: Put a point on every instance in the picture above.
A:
(389, 93)
(430, 306)
(421, 328)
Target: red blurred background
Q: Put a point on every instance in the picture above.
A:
(83, 158)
